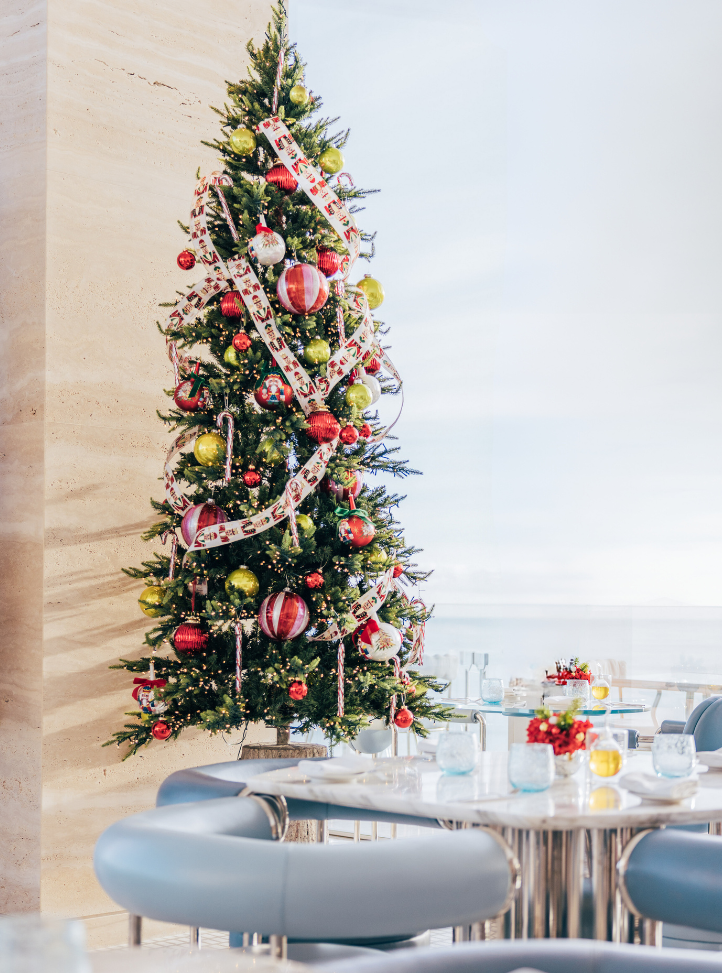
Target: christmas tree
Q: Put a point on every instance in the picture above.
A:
(287, 600)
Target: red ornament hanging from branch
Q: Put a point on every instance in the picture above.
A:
(186, 260)
(323, 427)
(282, 179)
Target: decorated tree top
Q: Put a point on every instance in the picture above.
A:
(284, 596)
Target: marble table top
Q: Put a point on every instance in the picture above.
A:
(415, 786)
(614, 709)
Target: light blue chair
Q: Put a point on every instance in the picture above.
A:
(213, 863)
(705, 723)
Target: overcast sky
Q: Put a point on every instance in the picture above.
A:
(550, 242)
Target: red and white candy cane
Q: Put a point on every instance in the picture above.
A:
(227, 213)
(341, 677)
(292, 514)
(340, 291)
(239, 655)
(222, 416)
(173, 355)
(173, 546)
(397, 674)
(279, 71)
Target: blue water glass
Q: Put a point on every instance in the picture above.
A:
(457, 753)
(531, 766)
(673, 754)
(492, 690)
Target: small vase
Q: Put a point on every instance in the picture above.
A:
(566, 764)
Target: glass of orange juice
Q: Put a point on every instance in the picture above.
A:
(607, 747)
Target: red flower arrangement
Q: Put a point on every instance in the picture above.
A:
(564, 731)
(573, 669)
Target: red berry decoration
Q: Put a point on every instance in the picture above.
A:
(323, 427)
(365, 431)
(283, 616)
(186, 260)
(198, 516)
(404, 718)
(297, 690)
(251, 478)
(191, 636)
(328, 261)
(232, 305)
(356, 529)
(281, 178)
(314, 580)
(349, 435)
(272, 390)
(302, 289)
(241, 341)
(161, 730)
(398, 570)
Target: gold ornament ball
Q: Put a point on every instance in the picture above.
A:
(317, 351)
(210, 449)
(151, 601)
(242, 581)
(243, 141)
(359, 395)
(230, 357)
(298, 95)
(305, 523)
(373, 290)
(331, 161)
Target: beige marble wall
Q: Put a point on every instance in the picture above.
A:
(98, 185)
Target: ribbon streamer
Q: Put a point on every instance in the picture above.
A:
(229, 442)
(175, 498)
(361, 610)
(173, 547)
(239, 656)
(341, 676)
(340, 291)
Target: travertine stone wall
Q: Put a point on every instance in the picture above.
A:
(104, 105)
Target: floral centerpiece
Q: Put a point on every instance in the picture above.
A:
(571, 669)
(564, 731)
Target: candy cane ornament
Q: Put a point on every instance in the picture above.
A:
(226, 416)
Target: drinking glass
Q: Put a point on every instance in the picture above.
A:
(607, 751)
(531, 766)
(577, 688)
(492, 690)
(673, 754)
(601, 686)
(457, 753)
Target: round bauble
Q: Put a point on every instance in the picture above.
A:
(243, 141)
(323, 427)
(302, 289)
(348, 435)
(272, 390)
(210, 449)
(305, 524)
(297, 690)
(298, 95)
(373, 290)
(314, 580)
(359, 396)
(365, 432)
(251, 478)
(145, 698)
(404, 718)
(241, 341)
(232, 305)
(331, 161)
(198, 516)
(151, 601)
(280, 177)
(186, 260)
(327, 261)
(317, 351)
(231, 357)
(283, 616)
(185, 399)
(377, 641)
(266, 246)
(348, 485)
(356, 529)
(191, 636)
(372, 365)
(372, 384)
(242, 581)
(398, 570)
(161, 730)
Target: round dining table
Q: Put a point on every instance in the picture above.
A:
(579, 828)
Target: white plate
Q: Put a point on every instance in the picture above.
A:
(710, 758)
(336, 778)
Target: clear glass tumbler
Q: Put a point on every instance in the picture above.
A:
(577, 688)
(673, 754)
(492, 690)
(531, 766)
(457, 753)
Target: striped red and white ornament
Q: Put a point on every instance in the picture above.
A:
(302, 289)
(283, 616)
(198, 516)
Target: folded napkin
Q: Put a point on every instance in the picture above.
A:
(659, 788)
(350, 765)
(558, 702)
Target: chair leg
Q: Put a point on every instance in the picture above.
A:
(135, 930)
(195, 937)
(278, 947)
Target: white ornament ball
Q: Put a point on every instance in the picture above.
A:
(382, 645)
(373, 385)
(267, 247)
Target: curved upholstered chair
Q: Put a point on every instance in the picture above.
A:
(214, 864)
(705, 723)
(673, 877)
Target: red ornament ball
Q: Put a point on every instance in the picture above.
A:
(241, 341)
(349, 435)
(301, 289)
(273, 391)
(186, 260)
(327, 261)
(197, 517)
(281, 178)
(283, 616)
(398, 570)
(251, 478)
(186, 400)
(404, 718)
(365, 431)
(323, 427)
(372, 365)
(314, 580)
(161, 730)
(356, 529)
(191, 636)
(232, 305)
(297, 690)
